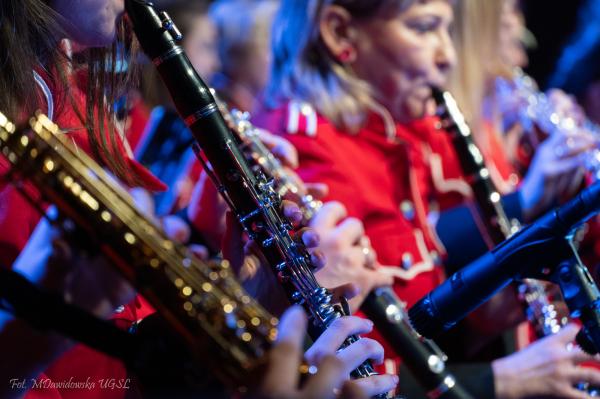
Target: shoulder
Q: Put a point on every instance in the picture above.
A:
(297, 118)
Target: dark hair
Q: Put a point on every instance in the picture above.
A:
(30, 33)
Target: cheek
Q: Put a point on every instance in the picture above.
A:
(91, 23)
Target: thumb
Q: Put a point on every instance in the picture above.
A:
(567, 333)
(232, 245)
(348, 291)
(379, 279)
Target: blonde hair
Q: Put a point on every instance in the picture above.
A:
(240, 23)
(476, 39)
(303, 69)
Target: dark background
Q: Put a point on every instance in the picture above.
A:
(553, 22)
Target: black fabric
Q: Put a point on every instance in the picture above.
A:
(476, 378)
(461, 236)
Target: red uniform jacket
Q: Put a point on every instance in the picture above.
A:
(18, 219)
(369, 173)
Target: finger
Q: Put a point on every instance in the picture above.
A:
(280, 147)
(379, 279)
(233, 246)
(573, 393)
(566, 334)
(572, 143)
(286, 354)
(328, 216)
(200, 251)
(292, 212)
(567, 165)
(350, 231)
(377, 384)
(296, 181)
(335, 335)
(318, 260)
(330, 376)
(292, 325)
(351, 390)
(368, 252)
(576, 182)
(61, 250)
(361, 350)
(562, 183)
(348, 291)
(317, 190)
(176, 229)
(584, 374)
(309, 237)
(578, 355)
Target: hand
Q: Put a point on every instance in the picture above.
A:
(566, 107)
(280, 147)
(207, 208)
(349, 256)
(207, 211)
(556, 172)
(282, 378)
(86, 280)
(547, 368)
(254, 271)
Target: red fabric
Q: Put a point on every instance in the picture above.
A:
(371, 176)
(18, 218)
(137, 119)
(439, 142)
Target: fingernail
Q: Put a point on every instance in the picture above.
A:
(297, 215)
(311, 238)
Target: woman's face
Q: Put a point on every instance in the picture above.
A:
(201, 47)
(90, 23)
(403, 53)
(512, 26)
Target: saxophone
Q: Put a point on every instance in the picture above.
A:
(497, 226)
(250, 195)
(201, 301)
(422, 356)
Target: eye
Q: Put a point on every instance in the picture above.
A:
(423, 26)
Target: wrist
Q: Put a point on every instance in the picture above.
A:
(504, 379)
(527, 203)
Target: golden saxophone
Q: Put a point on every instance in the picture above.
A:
(221, 325)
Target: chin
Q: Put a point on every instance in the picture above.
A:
(97, 40)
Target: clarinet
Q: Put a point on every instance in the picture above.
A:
(489, 211)
(423, 357)
(250, 195)
(219, 324)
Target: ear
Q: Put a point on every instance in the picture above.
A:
(338, 33)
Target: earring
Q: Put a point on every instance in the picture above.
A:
(345, 56)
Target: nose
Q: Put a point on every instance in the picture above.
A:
(445, 58)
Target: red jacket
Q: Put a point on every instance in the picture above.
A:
(369, 173)
(18, 218)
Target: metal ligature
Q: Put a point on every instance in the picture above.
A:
(250, 195)
(220, 325)
(496, 225)
(422, 356)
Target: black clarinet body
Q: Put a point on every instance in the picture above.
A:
(496, 226)
(423, 357)
(251, 196)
